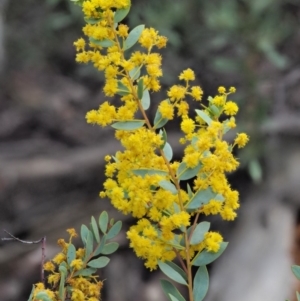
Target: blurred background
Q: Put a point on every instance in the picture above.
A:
(51, 161)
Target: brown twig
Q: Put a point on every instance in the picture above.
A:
(42, 241)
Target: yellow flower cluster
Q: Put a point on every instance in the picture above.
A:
(78, 288)
(142, 180)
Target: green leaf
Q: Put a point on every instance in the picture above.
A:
(146, 100)
(84, 231)
(63, 268)
(91, 20)
(89, 245)
(173, 271)
(71, 253)
(133, 36)
(186, 173)
(201, 197)
(298, 296)
(140, 90)
(167, 185)
(103, 221)
(31, 293)
(164, 136)
(122, 89)
(170, 290)
(102, 43)
(85, 272)
(215, 110)
(148, 171)
(205, 257)
(189, 190)
(120, 14)
(168, 151)
(296, 271)
(128, 125)
(135, 73)
(61, 291)
(100, 246)
(110, 248)
(95, 229)
(114, 230)
(199, 232)
(159, 121)
(200, 284)
(204, 116)
(99, 263)
(43, 296)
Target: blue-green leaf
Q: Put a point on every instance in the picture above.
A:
(159, 121)
(170, 290)
(102, 43)
(95, 229)
(71, 253)
(164, 137)
(122, 89)
(135, 73)
(114, 230)
(296, 271)
(201, 197)
(99, 263)
(89, 245)
(298, 296)
(200, 284)
(215, 110)
(140, 89)
(168, 151)
(120, 14)
(110, 248)
(145, 100)
(189, 191)
(173, 271)
(148, 171)
(43, 296)
(199, 233)
(167, 185)
(128, 125)
(205, 257)
(84, 231)
(133, 36)
(85, 272)
(100, 246)
(63, 268)
(186, 173)
(204, 116)
(91, 20)
(103, 221)
(61, 291)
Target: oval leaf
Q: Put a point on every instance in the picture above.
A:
(168, 151)
(296, 271)
(102, 43)
(114, 230)
(199, 232)
(205, 257)
(167, 185)
(89, 245)
(185, 173)
(148, 171)
(85, 272)
(110, 248)
(103, 221)
(201, 197)
(164, 136)
(100, 246)
(120, 14)
(159, 121)
(84, 231)
(200, 284)
(170, 290)
(128, 125)
(91, 20)
(146, 100)
(204, 116)
(71, 253)
(133, 36)
(135, 73)
(140, 88)
(176, 274)
(95, 229)
(99, 263)
(43, 296)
